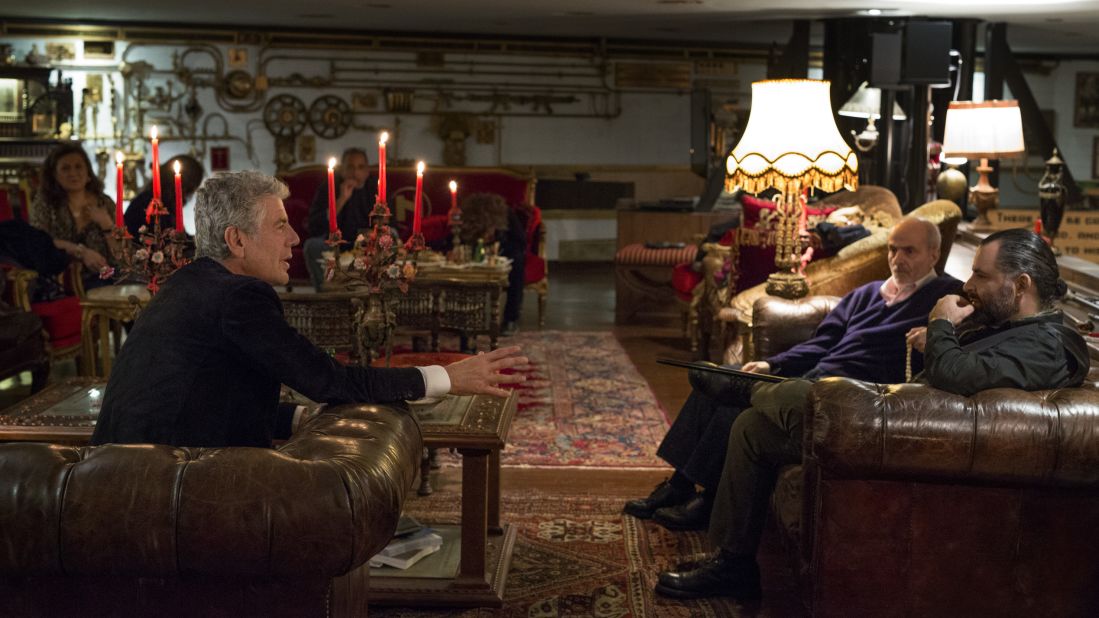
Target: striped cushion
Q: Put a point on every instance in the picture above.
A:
(639, 255)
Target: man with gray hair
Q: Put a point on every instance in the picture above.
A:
(204, 361)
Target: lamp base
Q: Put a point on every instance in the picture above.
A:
(984, 197)
(787, 285)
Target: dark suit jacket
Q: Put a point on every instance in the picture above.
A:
(203, 364)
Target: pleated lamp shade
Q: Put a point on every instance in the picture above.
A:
(983, 130)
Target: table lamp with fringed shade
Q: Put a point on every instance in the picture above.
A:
(791, 144)
(983, 130)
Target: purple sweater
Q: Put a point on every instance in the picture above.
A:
(862, 338)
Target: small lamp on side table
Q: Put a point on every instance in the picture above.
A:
(983, 130)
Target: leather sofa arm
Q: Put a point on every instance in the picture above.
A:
(778, 324)
(863, 430)
(320, 505)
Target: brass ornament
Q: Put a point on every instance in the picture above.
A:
(284, 115)
(330, 116)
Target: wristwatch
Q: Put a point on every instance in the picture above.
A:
(80, 251)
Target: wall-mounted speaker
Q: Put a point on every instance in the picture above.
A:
(927, 53)
(885, 59)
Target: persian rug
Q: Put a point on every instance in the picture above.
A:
(583, 403)
(579, 556)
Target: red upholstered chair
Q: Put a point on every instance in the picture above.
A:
(61, 318)
(303, 183)
(536, 267)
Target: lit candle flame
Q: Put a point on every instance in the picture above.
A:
(420, 168)
(176, 167)
(119, 157)
(453, 187)
(331, 164)
(153, 132)
(383, 138)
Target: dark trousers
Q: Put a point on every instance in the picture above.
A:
(763, 439)
(695, 443)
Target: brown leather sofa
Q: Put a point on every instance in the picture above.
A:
(856, 264)
(916, 502)
(147, 530)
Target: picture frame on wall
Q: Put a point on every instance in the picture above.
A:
(1086, 102)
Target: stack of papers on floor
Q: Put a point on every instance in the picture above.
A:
(406, 551)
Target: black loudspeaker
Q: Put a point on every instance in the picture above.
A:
(927, 53)
(885, 59)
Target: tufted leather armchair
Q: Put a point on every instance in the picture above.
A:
(916, 502)
(148, 530)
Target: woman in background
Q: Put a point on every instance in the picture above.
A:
(73, 210)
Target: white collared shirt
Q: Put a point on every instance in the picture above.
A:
(893, 293)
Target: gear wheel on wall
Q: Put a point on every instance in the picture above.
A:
(330, 116)
(284, 115)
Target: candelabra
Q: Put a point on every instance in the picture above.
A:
(378, 262)
(157, 252)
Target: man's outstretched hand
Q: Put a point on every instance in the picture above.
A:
(479, 375)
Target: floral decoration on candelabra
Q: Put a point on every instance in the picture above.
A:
(157, 252)
(376, 260)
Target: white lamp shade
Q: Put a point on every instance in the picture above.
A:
(866, 103)
(983, 130)
(791, 140)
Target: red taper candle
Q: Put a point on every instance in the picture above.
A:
(332, 227)
(156, 164)
(381, 165)
(417, 214)
(179, 195)
(119, 221)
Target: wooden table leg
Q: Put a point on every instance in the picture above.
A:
(104, 324)
(475, 471)
(494, 493)
(87, 345)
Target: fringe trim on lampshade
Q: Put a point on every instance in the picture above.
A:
(847, 178)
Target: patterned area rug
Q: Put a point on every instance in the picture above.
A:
(579, 556)
(583, 404)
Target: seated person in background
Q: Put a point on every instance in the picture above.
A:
(863, 338)
(355, 199)
(488, 218)
(205, 359)
(1004, 333)
(191, 174)
(73, 210)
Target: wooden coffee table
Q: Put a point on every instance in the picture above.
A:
(470, 570)
(476, 574)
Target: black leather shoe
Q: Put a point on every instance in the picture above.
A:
(719, 576)
(691, 515)
(664, 495)
(724, 389)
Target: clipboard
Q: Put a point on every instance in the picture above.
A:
(758, 377)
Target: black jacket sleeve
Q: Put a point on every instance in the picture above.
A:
(1033, 358)
(252, 319)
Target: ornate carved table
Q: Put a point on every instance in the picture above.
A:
(103, 307)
